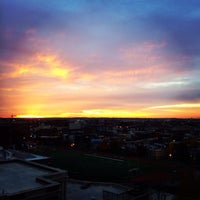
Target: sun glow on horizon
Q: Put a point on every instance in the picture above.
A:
(165, 111)
(92, 113)
(29, 116)
(114, 113)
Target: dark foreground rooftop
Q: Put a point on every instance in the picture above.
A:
(16, 176)
(27, 180)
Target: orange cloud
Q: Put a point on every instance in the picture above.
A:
(39, 65)
(185, 105)
(183, 110)
(44, 84)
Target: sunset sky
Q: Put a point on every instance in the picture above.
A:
(100, 58)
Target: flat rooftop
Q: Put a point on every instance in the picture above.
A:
(17, 176)
(26, 156)
(94, 191)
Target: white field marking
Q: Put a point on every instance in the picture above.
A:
(105, 157)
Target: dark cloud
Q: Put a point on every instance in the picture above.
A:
(15, 21)
(189, 95)
(182, 34)
(17, 18)
(178, 24)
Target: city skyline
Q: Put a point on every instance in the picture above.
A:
(114, 58)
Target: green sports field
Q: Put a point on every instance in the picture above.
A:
(99, 168)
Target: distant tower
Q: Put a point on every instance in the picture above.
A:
(12, 116)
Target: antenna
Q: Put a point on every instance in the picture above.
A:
(12, 116)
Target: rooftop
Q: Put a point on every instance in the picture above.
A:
(16, 176)
(76, 190)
